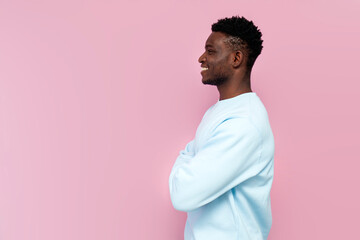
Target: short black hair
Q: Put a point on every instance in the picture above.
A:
(244, 35)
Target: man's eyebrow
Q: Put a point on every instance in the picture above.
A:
(208, 45)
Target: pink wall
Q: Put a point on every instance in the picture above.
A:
(98, 97)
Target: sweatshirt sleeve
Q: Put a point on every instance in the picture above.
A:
(230, 156)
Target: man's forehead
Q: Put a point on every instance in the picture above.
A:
(214, 37)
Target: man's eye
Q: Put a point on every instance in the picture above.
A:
(210, 51)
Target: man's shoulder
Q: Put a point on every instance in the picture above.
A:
(235, 125)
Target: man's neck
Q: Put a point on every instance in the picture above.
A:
(233, 88)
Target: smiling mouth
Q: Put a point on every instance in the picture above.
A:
(204, 69)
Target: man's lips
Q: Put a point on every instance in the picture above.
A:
(204, 69)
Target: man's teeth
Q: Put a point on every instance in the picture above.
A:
(203, 69)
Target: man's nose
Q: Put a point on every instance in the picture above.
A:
(201, 58)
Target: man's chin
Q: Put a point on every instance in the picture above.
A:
(209, 82)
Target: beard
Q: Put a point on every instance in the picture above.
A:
(216, 79)
(217, 74)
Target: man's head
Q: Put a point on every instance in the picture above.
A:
(233, 45)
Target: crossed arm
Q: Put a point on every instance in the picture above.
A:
(230, 156)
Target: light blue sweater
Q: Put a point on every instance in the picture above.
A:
(223, 177)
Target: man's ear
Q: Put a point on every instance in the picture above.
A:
(238, 59)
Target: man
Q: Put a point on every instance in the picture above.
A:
(223, 177)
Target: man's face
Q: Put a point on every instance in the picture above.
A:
(216, 60)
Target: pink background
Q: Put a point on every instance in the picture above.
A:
(97, 98)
